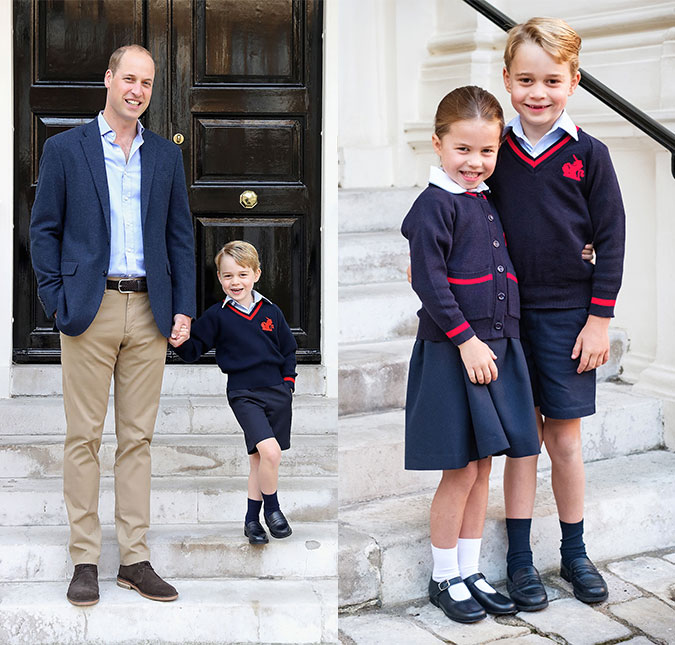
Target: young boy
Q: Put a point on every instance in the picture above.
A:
(555, 189)
(256, 349)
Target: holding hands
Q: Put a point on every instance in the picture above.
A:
(180, 331)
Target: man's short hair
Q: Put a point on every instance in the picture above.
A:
(116, 56)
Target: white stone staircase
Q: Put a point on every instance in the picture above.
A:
(383, 509)
(230, 592)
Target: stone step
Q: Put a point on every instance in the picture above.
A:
(374, 210)
(174, 500)
(207, 612)
(179, 380)
(172, 455)
(625, 424)
(366, 258)
(376, 312)
(373, 375)
(40, 553)
(384, 554)
(42, 415)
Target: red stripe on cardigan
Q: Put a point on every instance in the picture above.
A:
(510, 276)
(485, 278)
(457, 330)
(289, 378)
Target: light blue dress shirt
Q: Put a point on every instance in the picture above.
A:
(247, 310)
(563, 125)
(124, 188)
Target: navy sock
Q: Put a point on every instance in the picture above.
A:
(572, 544)
(271, 502)
(519, 554)
(253, 512)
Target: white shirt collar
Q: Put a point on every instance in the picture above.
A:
(104, 128)
(564, 121)
(437, 177)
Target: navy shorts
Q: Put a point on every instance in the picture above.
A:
(263, 413)
(548, 337)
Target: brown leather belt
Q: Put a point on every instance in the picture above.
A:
(127, 285)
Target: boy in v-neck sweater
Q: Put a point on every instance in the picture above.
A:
(556, 190)
(256, 349)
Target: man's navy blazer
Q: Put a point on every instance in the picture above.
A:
(70, 229)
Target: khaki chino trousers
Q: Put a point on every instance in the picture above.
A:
(124, 341)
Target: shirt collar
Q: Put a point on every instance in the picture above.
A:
(257, 297)
(104, 128)
(564, 122)
(437, 177)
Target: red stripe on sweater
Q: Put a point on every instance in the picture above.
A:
(242, 314)
(535, 162)
(602, 302)
(457, 330)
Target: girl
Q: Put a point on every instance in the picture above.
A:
(468, 392)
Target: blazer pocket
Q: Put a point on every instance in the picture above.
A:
(68, 267)
(474, 292)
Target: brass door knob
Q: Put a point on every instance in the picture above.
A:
(178, 138)
(248, 199)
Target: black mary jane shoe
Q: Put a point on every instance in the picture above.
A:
(255, 532)
(277, 524)
(461, 611)
(527, 590)
(589, 586)
(492, 602)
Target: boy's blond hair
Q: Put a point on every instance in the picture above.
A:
(241, 252)
(553, 35)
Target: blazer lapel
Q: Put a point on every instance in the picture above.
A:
(93, 151)
(148, 158)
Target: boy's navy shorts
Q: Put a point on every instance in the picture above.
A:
(548, 337)
(263, 413)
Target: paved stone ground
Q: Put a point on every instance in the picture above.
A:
(640, 611)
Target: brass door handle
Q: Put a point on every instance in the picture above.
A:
(248, 199)
(178, 138)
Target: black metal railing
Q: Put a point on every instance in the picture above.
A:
(628, 111)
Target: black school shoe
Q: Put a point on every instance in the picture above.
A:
(141, 577)
(589, 586)
(493, 603)
(255, 532)
(277, 524)
(461, 611)
(83, 588)
(527, 590)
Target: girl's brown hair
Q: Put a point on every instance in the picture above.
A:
(464, 104)
(553, 35)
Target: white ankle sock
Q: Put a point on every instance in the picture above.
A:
(468, 555)
(446, 568)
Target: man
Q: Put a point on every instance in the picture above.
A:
(112, 249)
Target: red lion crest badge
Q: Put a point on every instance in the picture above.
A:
(267, 325)
(574, 170)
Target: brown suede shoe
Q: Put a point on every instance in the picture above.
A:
(83, 588)
(142, 578)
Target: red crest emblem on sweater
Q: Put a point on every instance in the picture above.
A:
(574, 170)
(268, 325)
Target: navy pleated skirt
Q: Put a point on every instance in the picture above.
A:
(449, 421)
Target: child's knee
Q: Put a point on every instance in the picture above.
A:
(483, 468)
(270, 452)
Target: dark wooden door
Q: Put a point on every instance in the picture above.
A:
(240, 81)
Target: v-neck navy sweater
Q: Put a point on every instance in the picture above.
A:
(551, 206)
(460, 268)
(254, 350)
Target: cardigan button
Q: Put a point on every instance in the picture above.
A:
(501, 296)
(495, 243)
(491, 217)
(498, 326)
(500, 269)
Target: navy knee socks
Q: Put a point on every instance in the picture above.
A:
(572, 543)
(519, 554)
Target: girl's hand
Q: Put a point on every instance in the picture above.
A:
(479, 361)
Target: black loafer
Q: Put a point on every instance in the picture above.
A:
(461, 611)
(83, 588)
(493, 603)
(255, 532)
(277, 524)
(527, 590)
(589, 586)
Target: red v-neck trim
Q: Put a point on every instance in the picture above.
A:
(535, 162)
(250, 316)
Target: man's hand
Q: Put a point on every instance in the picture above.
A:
(592, 344)
(180, 331)
(479, 361)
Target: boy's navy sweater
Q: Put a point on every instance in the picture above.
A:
(460, 267)
(254, 350)
(553, 205)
